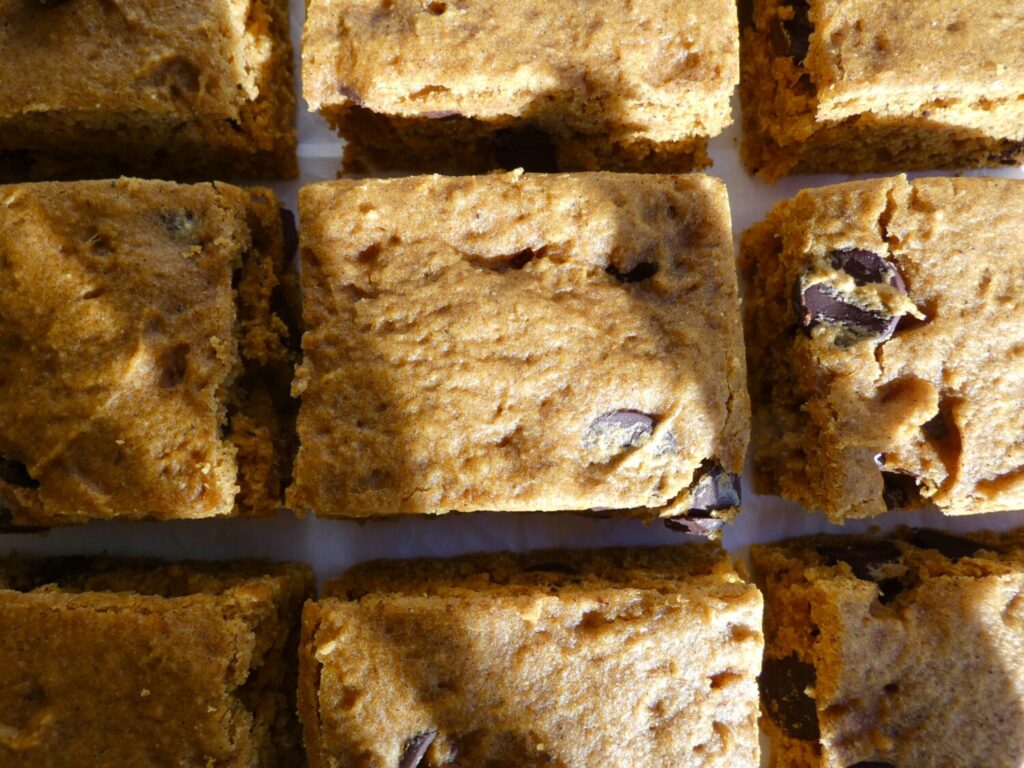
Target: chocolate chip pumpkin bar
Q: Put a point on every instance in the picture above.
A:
(885, 330)
(626, 658)
(886, 85)
(196, 89)
(895, 650)
(142, 354)
(472, 86)
(520, 342)
(108, 663)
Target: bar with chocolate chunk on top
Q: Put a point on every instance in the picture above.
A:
(884, 329)
(889, 85)
(900, 649)
(521, 342)
(624, 658)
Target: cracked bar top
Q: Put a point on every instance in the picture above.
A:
(661, 69)
(107, 663)
(959, 62)
(895, 650)
(618, 657)
(522, 343)
(885, 328)
(135, 324)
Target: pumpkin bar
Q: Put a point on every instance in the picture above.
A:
(833, 86)
(900, 649)
(191, 90)
(472, 86)
(110, 663)
(884, 332)
(520, 342)
(145, 358)
(626, 658)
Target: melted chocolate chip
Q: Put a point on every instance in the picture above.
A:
(416, 749)
(784, 684)
(863, 556)
(644, 270)
(823, 303)
(289, 234)
(623, 429)
(949, 545)
(16, 473)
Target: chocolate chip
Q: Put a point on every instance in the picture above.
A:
(16, 473)
(528, 148)
(900, 491)
(621, 429)
(799, 29)
(953, 547)
(784, 684)
(289, 233)
(863, 555)
(695, 523)
(714, 488)
(416, 749)
(823, 303)
(351, 95)
(644, 270)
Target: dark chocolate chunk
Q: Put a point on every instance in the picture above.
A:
(714, 488)
(416, 749)
(799, 29)
(784, 684)
(16, 473)
(695, 523)
(953, 547)
(624, 429)
(862, 555)
(528, 148)
(289, 233)
(824, 303)
(642, 271)
(899, 490)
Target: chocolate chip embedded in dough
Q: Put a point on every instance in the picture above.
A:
(714, 488)
(620, 429)
(644, 270)
(416, 749)
(862, 555)
(695, 523)
(799, 29)
(784, 684)
(16, 473)
(823, 302)
(949, 545)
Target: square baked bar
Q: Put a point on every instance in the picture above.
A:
(143, 365)
(885, 329)
(619, 658)
(462, 86)
(108, 664)
(902, 650)
(520, 342)
(196, 89)
(889, 85)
